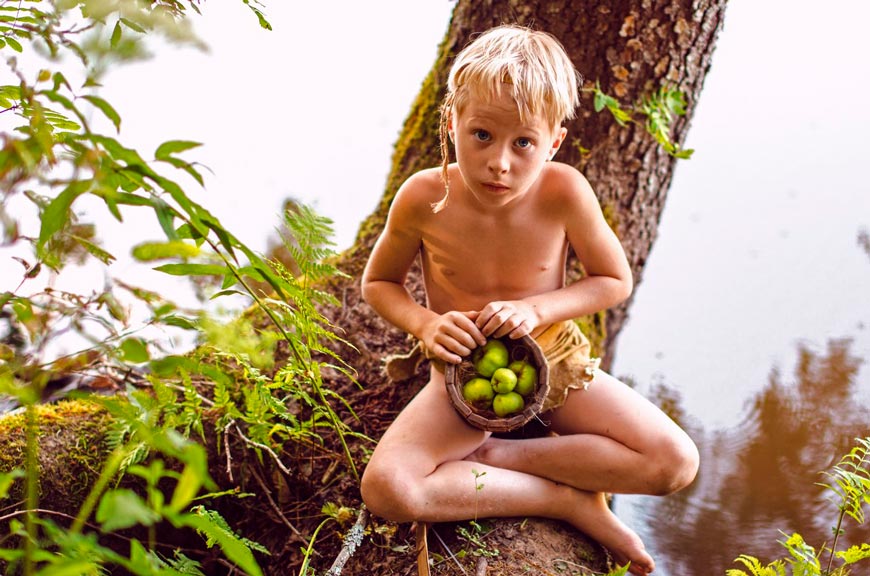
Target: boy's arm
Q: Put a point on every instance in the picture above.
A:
(449, 336)
(608, 279)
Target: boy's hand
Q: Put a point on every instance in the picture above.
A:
(452, 335)
(512, 318)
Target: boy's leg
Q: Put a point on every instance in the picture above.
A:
(610, 439)
(418, 472)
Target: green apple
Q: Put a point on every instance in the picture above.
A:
(478, 392)
(489, 357)
(503, 380)
(527, 377)
(507, 404)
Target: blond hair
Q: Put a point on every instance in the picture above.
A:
(531, 64)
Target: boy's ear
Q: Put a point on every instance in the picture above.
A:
(557, 141)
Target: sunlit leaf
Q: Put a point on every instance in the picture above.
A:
(106, 109)
(150, 251)
(171, 147)
(123, 508)
(7, 479)
(193, 269)
(134, 350)
(166, 219)
(132, 25)
(57, 214)
(855, 553)
(94, 250)
(235, 549)
(13, 43)
(179, 322)
(186, 490)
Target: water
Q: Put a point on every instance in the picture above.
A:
(758, 478)
(753, 314)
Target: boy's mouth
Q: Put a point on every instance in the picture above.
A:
(495, 186)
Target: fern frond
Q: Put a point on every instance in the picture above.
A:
(753, 564)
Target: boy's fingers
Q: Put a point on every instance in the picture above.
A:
(446, 355)
(469, 326)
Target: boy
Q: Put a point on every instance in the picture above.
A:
(494, 249)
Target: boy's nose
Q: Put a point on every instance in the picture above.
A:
(498, 163)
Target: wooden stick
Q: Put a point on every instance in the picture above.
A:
(351, 542)
(422, 550)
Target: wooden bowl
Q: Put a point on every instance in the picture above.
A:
(456, 375)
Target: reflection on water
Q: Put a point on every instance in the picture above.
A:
(760, 477)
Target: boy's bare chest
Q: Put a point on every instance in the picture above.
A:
(495, 259)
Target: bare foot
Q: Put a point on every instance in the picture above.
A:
(597, 521)
(590, 515)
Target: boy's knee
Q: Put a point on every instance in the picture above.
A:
(676, 466)
(389, 494)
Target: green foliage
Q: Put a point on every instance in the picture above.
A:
(475, 537)
(850, 490)
(62, 148)
(656, 112)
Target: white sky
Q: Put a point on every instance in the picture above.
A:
(757, 246)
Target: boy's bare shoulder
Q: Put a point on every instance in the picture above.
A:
(563, 183)
(424, 187)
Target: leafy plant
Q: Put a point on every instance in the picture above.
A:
(656, 112)
(478, 486)
(55, 156)
(474, 535)
(849, 484)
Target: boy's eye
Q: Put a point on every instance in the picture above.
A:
(523, 142)
(482, 135)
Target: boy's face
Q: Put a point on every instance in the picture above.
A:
(499, 156)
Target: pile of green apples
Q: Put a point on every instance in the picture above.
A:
(499, 384)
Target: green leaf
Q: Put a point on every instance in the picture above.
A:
(186, 490)
(260, 18)
(94, 250)
(166, 218)
(106, 109)
(171, 147)
(599, 101)
(186, 166)
(179, 322)
(234, 549)
(57, 213)
(150, 251)
(7, 479)
(133, 26)
(23, 309)
(135, 350)
(855, 553)
(621, 116)
(13, 43)
(69, 567)
(116, 34)
(123, 508)
(193, 269)
(230, 292)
